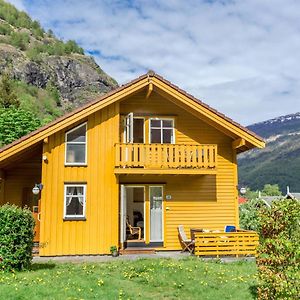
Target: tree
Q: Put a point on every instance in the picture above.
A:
(15, 122)
(7, 96)
(271, 190)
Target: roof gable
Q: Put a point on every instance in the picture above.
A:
(151, 80)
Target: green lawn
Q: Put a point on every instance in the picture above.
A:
(189, 278)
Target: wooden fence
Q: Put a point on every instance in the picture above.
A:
(223, 243)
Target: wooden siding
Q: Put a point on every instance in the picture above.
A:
(203, 201)
(99, 231)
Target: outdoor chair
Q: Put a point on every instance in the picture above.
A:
(229, 228)
(188, 244)
(134, 230)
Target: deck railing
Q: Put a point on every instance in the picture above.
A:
(224, 243)
(165, 156)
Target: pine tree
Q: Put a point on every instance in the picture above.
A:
(7, 95)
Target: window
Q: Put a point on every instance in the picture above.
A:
(75, 198)
(162, 131)
(133, 129)
(76, 146)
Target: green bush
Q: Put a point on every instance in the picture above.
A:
(5, 29)
(249, 214)
(14, 123)
(16, 237)
(19, 40)
(279, 251)
(7, 95)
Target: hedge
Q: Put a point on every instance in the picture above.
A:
(16, 237)
(279, 251)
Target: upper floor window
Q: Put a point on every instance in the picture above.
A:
(133, 129)
(76, 146)
(162, 131)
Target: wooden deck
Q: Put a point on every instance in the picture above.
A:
(242, 243)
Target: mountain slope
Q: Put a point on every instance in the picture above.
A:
(279, 162)
(43, 65)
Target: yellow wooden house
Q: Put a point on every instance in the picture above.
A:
(127, 169)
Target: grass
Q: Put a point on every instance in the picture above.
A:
(189, 278)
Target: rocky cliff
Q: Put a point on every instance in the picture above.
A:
(77, 77)
(38, 58)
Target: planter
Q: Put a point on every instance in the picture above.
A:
(114, 253)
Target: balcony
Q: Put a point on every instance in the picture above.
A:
(165, 159)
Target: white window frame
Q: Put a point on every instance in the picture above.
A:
(76, 143)
(128, 128)
(72, 217)
(161, 128)
(162, 216)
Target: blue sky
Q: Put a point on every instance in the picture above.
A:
(240, 57)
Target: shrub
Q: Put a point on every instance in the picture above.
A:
(19, 40)
(16, 237)
(279, 251)
(249, 214)
(7, 94)
(5, 29)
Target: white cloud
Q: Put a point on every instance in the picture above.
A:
(241, 57)
(18, 4)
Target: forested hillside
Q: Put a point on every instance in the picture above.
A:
(279, 162)
(41, 77)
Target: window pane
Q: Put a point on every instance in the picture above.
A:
(75, 153)
(138, 130)
(155, 136)
(168, 123)
(167, 135)
(155, 123)
(77, 135)
(74, 206)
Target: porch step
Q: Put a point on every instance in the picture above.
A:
(137, 250)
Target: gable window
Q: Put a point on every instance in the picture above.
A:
(75, 199)
(76, 146)
(162, 131)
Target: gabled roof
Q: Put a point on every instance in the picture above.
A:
(295, 196)
(119, 93)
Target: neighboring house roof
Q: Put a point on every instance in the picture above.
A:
(242, 200)
(247, 140)
(269, 199)
(295, 196)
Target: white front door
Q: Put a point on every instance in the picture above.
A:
(156, 213)
(123, 214)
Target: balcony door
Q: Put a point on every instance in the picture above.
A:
(134, 129)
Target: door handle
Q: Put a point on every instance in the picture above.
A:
(39, 217)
